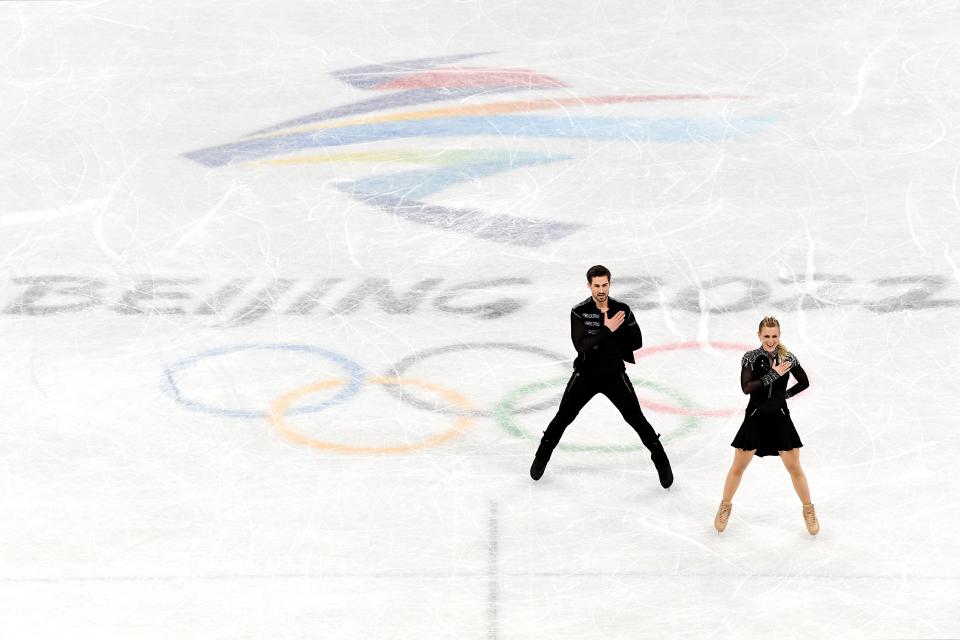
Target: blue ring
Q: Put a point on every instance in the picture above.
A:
(353, 369)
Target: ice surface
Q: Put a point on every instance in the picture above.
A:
(285, 292)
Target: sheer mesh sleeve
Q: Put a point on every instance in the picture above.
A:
(749, 384)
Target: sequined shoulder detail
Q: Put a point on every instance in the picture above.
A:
(750, 357)
(792, 359)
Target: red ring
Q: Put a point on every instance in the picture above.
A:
(677, 346)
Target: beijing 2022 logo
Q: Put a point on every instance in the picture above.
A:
(475, 111)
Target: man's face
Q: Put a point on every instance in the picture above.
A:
(600, 289)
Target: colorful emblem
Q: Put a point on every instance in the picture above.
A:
(403, 114)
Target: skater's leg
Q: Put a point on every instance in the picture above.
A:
(578, 392)
(575, 397)
(741, 459)
(791, 460)
(620, 391)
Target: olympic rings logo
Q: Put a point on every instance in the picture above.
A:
(397, 381)
(281, 406)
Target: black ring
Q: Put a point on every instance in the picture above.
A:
(400, 368)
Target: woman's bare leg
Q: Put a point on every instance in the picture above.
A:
(791, 460)
(741, 459)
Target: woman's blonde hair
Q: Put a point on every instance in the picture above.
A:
(770, 321)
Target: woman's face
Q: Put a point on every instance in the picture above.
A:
(769, 338)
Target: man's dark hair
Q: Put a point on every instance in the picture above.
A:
(597, 271)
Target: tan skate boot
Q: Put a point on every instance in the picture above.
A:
(810, 517)
(723, 515)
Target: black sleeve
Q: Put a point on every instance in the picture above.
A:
(802, 381)
(634, 335)
(582, 341)
(748, 384)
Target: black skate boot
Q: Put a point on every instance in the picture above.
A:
(659, 457)
(541, 459)
(537, 468)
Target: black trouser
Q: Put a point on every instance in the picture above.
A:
(582, 387)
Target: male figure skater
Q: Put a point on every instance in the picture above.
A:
(605, 334)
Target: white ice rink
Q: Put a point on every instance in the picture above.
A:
(285, 300)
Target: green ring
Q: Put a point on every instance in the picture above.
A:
(504, 414)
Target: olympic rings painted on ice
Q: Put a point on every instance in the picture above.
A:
(402, 366)
(459, 406)
(505, 415)
(351, 386)
(280, 408)
(678, 346)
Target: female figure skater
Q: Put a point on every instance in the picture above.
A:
(767, 429)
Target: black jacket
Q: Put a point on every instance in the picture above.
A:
(767, 388)
(595, 343)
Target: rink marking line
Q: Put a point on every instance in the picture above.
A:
(493, 573)
(280, 407)
(490, 108)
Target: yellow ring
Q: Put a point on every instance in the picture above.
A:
(280, 406)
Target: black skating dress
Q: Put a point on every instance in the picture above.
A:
(767, 426)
